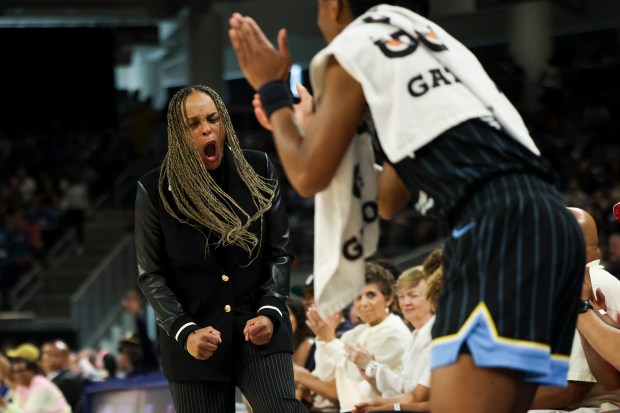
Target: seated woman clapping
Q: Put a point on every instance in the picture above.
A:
(384, 334)
(417, 399)
(420, 314)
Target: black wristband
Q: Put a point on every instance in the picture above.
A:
(275, 95)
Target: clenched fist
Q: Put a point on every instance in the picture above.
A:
(258, 330)
(202, 343)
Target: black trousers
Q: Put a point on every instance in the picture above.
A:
(265, 381)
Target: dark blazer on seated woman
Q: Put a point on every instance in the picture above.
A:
(192, 286)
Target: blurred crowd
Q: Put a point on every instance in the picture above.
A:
(51, 376)
(48, 183)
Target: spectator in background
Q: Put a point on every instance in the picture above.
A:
(305, 291)
(85, 366)
(418, 399)
(612, 255)
(381, 333)
(420, 314)
(7, 385)
(129, 358)
(604, 284)
(389, 265)
(303, 337)
(74, 203)
(25, 240)
(341, 320)
(600, 337)
(319, 395)
(109, 364)
(45, 209)
(34, 393)
(55, 364)
(25, 350)
(137, 354)
(105, 365)
(26, 183)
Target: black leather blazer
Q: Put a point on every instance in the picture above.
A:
(191, 286)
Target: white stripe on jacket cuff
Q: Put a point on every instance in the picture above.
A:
(272, 307)
(184, 326)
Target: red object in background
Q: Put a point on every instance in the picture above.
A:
(617, 211)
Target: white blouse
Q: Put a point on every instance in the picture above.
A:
(387, 341)
(415, 360)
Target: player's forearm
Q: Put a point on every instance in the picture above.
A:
(295, 157)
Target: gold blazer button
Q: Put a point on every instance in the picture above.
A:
(225, 277)
(227, 308)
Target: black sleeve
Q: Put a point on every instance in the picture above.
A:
(171, 315)
(277, 257)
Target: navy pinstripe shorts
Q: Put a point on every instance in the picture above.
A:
(513, 266)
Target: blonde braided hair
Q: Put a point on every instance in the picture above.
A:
(201, 201)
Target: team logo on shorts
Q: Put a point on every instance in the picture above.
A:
(424, 203)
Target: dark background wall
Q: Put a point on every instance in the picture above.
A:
(56, 79)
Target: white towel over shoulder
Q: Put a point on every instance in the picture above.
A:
(417, 79)
(346, 228)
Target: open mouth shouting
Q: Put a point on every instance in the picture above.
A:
(212, 154)
(210, 150)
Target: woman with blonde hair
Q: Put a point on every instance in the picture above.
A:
(214, 256)
(418, 397)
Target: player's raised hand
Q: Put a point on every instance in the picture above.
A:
(259, 60)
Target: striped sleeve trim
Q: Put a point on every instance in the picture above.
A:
(183, 327)
(270, 307)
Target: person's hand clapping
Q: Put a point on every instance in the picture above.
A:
(368, 406)
(600, 299)
(322, 327)
(358, 355)
(258, 330)
(258, 59)
(202, 343)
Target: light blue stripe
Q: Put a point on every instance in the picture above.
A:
(487, 351)
(558, 375)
